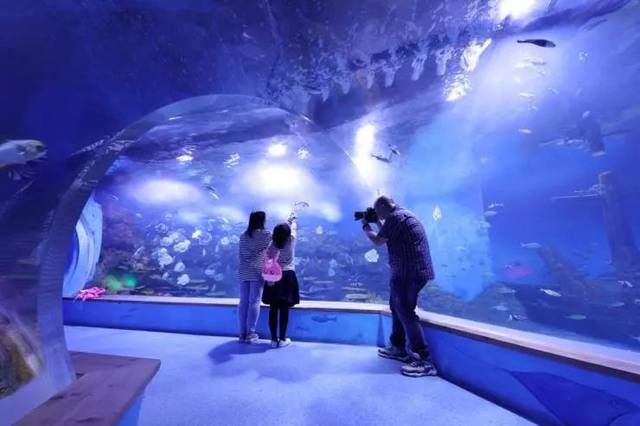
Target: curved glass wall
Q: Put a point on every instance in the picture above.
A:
(522, 165)
(511, 128)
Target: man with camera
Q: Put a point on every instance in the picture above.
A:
(411, 269)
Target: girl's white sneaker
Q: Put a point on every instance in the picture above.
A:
(285, 342)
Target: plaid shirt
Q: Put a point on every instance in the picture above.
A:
(407, 244)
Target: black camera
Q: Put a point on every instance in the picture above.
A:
(368, 215)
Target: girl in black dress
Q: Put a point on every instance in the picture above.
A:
(284, 294)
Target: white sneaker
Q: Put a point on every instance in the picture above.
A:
(285, 342)
(253, 338)
(274, 344)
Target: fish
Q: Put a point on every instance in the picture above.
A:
(353, 288)
(500, 307)
(204, 238)
(625, 283)
(490, 213)
(182, 247)
(212, 191)
(91, 147)
(437, 213)
(138, 252)
(301, 204)
(550, 292)
(17, 155)
(493, 206)
(530, 63)
(506, 290)
(576, 317)
(525, 131)
(314, 90)
(166, 241)
(394, 149)
(303, 153)
(540, 42)
(324, 318)
(484, 224)
(216, 294)
(381, 158)
(582, 56)
(544, 304)
(554, 91)
(372, 256)
(233, 160)
(615, 305)
(532, 246)
(527, 95)
(515, 317)
(164, 258)
(357, 296)
(319, 230)
(183, 280)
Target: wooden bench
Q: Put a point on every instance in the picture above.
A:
(106, 387)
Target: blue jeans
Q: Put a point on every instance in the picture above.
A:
(406, 324)
(249, 307)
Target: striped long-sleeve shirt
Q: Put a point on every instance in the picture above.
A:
(252, 250)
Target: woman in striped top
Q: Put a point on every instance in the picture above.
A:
(253, 243)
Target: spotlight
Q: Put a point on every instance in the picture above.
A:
(277, 149)
(365, 137)
(515, 8)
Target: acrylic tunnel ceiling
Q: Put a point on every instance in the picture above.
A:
(109, 63)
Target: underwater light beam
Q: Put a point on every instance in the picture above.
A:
(363, 148)
(161, 191)
(278, 180)
(515, 8)
(277, 149)
(365, 137)
(184, 158)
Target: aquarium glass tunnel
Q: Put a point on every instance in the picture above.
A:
(510, 128)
